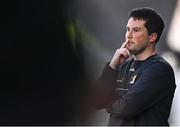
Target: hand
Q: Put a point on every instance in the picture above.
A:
(120, 56)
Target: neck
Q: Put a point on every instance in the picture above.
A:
(144, 55)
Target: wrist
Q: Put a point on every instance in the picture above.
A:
(113, 66)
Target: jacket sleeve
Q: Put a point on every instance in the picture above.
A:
(103, 88)
(155, 83)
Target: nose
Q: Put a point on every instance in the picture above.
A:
(129, 34)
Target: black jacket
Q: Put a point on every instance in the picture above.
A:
(144, 99)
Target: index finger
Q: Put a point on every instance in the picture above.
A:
(124, 44)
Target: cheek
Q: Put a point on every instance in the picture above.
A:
(140, 38)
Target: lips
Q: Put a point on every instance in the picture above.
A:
(129, 43)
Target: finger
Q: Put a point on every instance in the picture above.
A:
(128, 52)
(124, 44)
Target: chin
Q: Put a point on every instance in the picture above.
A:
(133, 51)
(129, 48)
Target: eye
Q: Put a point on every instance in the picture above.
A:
(127, 29)
(136, 29)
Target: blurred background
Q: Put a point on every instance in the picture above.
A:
(51, 52)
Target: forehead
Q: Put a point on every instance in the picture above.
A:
(134, 22)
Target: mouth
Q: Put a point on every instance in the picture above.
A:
(129, 43)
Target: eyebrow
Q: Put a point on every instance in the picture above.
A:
(134, 28)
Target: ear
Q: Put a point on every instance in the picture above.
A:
(153, 37)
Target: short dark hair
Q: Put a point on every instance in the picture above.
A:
(153, 21)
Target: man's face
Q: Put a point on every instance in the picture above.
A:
(137, 36)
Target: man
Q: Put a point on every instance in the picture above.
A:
(138, 91)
